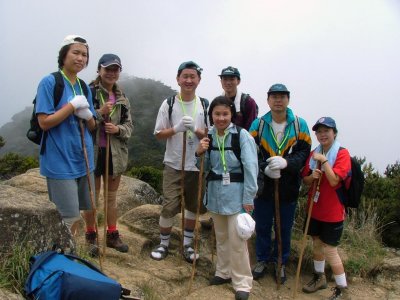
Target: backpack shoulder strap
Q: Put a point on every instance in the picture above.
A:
(170, 102)
(297, 127)
(204, 103)
(243, 99)
(84, 88)
(260, 131)
(58, 87)
(235, 144)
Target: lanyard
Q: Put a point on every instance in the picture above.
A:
(279, 145)
(102, 103)
(184, 109)
(77, 79)
(222, 148)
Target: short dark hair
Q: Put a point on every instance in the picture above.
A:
(64, 50)
(222, 100)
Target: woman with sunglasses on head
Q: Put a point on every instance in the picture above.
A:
(113, 116)
(62, 158)
(231, 188)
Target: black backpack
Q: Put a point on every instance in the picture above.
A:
(34, 132)
(353, 186)
(235, 146)
(204, 103)
(243, 99)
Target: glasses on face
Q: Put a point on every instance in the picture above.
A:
(113, 69)
(277, 97)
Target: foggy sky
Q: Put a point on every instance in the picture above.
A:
(338, 58)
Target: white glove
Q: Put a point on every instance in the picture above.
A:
(276, 162)
(189, 123)
(79, 102)
(83, 113)
(180, 127)
(274, 174)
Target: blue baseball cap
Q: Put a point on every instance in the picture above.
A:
(108, 60)
(324, 121)
(190, 65)
(278, 88)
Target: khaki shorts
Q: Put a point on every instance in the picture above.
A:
(172, 192)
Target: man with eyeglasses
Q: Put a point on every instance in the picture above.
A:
(284, 144)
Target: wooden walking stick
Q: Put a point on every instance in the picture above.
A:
(196, 225)
(105, 193)
(90, 186)
(278, 236)
(183, 190)
(315, 193)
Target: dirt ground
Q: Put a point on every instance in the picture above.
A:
(170, 278)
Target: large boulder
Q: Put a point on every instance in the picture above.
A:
(27, 217)
(27, 214)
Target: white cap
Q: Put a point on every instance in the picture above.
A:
(245, 226)
(73, 39)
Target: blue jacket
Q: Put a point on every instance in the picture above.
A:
(229, 199)
(295, 150)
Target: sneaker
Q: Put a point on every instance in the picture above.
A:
(91, 244)
(340, 293)
(318, 282)
(282, 275)
(113, 240)
(216, 280)
(259, 270)
(241, 295)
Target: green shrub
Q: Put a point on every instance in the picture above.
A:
(12, 164)
(148, 174)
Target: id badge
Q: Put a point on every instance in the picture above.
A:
(190, 140)
(316, 196)
(226, 179)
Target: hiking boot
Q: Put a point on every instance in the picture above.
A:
(91, 244)
(216, 280)
(259, 270)
(340, 293)
(241, 295)
(318, 282)
(114, 241)
(282, 275)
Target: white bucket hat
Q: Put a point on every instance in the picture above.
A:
(245, 226)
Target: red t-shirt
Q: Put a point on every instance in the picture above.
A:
(329, 208)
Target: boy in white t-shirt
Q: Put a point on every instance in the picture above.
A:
(187, 115)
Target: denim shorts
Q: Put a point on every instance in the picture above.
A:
(328, 232)
(70, 195)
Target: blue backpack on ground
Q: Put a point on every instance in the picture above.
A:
(64, 276)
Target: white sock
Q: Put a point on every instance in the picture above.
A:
(164, 239)
(341, 280)
(187, 237)
(319, 266)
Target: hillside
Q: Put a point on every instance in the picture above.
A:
(145, 96)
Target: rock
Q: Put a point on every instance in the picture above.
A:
(26, 217)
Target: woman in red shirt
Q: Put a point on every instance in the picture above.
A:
(328, 164)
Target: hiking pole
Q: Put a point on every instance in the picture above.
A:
(105, 193)
(278, 232)
(315, 190)
(183, 190)
(90, 186)
(196, 227)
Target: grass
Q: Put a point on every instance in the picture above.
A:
(148, 291)
(360, 241)
(14, 267)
